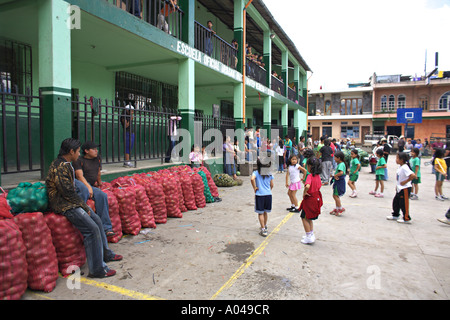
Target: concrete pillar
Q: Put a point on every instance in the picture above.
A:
(267, 115)
(186, 95)
(285, 71)
(239, 30)
(268, 58)
(188, 24)
(54, 76)
(284, 119)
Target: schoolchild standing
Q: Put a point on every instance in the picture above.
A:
(440, 168)
(262, 183)
(312, 199)
(355, 165)
(379, 174)
(293, 182)
(403, 189)
(415, 167)
(339, 183)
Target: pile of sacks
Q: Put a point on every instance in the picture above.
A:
(36, 246)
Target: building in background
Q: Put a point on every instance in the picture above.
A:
(69, 68)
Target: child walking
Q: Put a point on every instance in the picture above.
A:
(415, 167)
(441, 170)
(339, 183)
(262, 183)
(379, 174)
(312, 199)
(355, 165)
(293, 182)
(403, 189)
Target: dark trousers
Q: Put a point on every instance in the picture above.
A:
(401, 202)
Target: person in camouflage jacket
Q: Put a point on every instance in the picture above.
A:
(64, 199)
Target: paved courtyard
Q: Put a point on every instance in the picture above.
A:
(217, 253)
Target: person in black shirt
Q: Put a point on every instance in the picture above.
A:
(87, 171)
(327, 161)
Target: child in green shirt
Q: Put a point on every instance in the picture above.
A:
(339, 183)
(415, 167)
(355, 165)
(379, 172)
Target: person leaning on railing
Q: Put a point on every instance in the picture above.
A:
(167, 10)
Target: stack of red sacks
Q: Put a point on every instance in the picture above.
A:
(155, 194)
(123, 189)
(41, 253)
(68, 243)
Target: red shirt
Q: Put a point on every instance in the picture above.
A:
(314, 182)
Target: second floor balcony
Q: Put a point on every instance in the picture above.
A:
(432, 108)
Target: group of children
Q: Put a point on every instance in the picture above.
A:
(407, 187)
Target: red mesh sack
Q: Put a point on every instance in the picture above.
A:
(129, 217)
(5, 209)
(144, 208)
(114, 216)
(188, 192)
(13, 261)
(170, 187)
(68, 243)
(157, 198)
(198, 187)
(181, 203)
(41, 253)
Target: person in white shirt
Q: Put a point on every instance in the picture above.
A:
(403, 189)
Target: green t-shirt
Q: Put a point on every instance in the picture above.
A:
(304, 166)
(340, 167)
(381, 162)
(354, 165)
(414, 162)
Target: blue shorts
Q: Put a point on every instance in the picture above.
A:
(263, 204)
(127, 142)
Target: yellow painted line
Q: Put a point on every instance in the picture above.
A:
(119, 290)
(252, 258)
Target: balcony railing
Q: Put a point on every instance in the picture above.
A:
(277, 86)
(214, 46)
(158, 13)
(292, 95)
(425, 108)
(256, 72)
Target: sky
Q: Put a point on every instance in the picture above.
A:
(347, 41)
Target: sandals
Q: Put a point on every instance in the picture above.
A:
(110, 234)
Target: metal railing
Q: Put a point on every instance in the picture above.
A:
(102, 122)
(425, 108)
(277, 86)
(21, 127)
(158, 13)
(256, 72)
(214, 46)
(292, 95)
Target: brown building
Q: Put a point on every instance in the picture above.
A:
(431, 95)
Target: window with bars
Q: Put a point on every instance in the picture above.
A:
(144, 93)
(15, 66)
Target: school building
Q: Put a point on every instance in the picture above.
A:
(69, 68)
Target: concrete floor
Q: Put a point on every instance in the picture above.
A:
(217, 253)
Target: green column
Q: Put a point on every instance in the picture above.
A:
(239, 30)
(297, 80)
(284, 119)
(285, 70)
(268, 57)
(186, 95)
(54, 76)
(298, 124)
(188, 24)
(268, 115)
